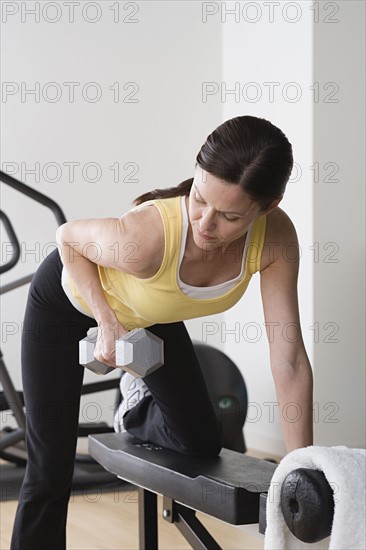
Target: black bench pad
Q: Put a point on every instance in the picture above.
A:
(226, 487)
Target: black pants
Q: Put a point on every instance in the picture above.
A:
(178, 415)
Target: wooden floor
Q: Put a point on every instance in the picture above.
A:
(109, 522)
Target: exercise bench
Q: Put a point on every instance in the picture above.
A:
(227, 487)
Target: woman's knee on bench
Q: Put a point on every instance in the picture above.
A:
(205, 444)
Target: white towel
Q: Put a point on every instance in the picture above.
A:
(344, 469)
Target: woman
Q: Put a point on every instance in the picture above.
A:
(182, 252)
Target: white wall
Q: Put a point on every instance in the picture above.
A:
(339, 227)
(295, 44)
(182, 59)
(159, 52)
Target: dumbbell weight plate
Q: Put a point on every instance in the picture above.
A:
(140, 352)
(86, 353)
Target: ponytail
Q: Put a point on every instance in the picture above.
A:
(181, 189)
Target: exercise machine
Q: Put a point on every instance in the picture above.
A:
(88, 473)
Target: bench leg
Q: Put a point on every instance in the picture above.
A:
(189, 525)
(148, 520)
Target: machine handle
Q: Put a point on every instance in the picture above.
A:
(35, 195)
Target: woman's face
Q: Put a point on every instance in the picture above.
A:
(219, 212)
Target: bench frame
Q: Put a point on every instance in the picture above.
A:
(181, 516)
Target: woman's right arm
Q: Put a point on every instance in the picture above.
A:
(85, 244)
(85, 275)
(83, 271)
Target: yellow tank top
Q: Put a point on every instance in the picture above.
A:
(140, 303)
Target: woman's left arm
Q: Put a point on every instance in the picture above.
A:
(290, 365)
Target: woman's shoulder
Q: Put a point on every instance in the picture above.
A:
(145, 228)
(280, 236)
(278, 222)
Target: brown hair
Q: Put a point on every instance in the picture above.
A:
(246, 151)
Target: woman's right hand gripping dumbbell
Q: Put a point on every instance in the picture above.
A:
(97, 351)
(105, 347)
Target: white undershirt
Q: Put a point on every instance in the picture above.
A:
(212, 291)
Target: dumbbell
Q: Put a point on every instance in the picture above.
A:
(139, 352)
